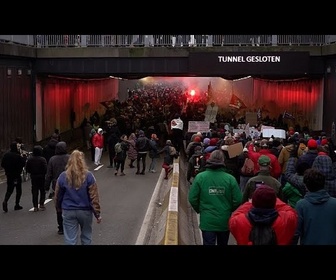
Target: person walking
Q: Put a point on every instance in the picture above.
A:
(121, 149)
(266, 220)
(13, 163)
(168, 157)
(143, 146)
(37, 167)
(215, 194)
(176, 126)
(98, 144)
(112, 139)
(132, 153)
(56, 166)
(77, 198)
(92, 148)
(316, 212)
(49, 149)
(153, 153)
(263, 177)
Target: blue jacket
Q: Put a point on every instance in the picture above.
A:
(316, 219)
(85, 198)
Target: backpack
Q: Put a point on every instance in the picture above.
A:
(148, 146)
(248, 167)
(197, 164)
(262, 234)
(192, 148)
(207, 154)
(117, 148)
(172, 151)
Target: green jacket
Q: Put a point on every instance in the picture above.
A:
(291, 194)
(214, 194)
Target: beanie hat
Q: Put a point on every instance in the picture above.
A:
(324, 141)
(264, 197)
(312, 144)
(100, 130)
(206, 141)
(197, 139)
(264, 160)
(213, 142)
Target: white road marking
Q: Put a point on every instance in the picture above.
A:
(45, 202)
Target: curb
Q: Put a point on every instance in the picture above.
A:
(171, 232)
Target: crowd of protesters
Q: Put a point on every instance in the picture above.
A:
(154, 121)
(294, 177)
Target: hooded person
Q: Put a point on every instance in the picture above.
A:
(13, 163)
(190, 149)
(143, 146)
(168, 158)
(37, 167)
(324, 164)
(214, 194)
(316, 212)
(98, 143)
(56, 166)
(196, 163)
(49, 149)
(265, 220)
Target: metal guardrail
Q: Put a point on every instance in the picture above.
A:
(61, 41)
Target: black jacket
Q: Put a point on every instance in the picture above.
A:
(13, 162)
(56, 165)
(37, 164)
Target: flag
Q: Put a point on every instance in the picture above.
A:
(247, 130)
(236, 102)
(210, 92)
(287, 115)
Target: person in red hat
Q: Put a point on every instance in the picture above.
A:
(310, 154)
(266, 220)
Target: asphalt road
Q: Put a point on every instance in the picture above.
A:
(124, 202)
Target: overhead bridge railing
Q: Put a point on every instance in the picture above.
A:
(110, 41)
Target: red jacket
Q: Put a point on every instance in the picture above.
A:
(284, 225)
(276, 169)
(98, 140)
